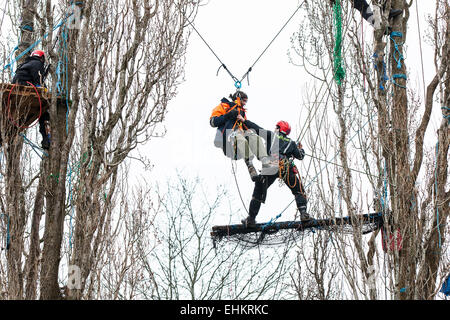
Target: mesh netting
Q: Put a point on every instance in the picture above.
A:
(282, 232)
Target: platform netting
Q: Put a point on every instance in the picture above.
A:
(279, 233)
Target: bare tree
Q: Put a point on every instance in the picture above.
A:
(116, 68)
(381, 143)
(185, 265)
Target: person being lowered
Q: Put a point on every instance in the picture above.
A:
(282, 151)
(233, 135)
(33, 71)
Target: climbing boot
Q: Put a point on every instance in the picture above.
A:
(303, 214)
(305, 217)
(249, 221)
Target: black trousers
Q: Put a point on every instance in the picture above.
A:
(260, 191)
(361, 6)
(44, 117)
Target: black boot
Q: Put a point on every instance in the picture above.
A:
(249, 221)
(304, 216)
(301, 205)
(253, 210)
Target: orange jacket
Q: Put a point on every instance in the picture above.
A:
(218, 119)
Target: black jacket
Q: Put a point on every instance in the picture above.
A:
(32, 70)
(286, 147)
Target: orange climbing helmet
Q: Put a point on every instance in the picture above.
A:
(38, 53)
(284, 127)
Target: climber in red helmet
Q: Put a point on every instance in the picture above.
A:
(33, 72)
(282, 150)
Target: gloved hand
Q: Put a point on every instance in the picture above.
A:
(231, 115)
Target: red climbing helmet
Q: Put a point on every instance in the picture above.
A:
(38, 53)
(284, 127)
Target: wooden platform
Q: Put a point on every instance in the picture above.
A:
(22, 105)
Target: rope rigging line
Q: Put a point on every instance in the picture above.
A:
(237, 82)
(339, 165)
(33, 146)
(209, 47)
(59, 24)
(270, 43)
(237, 186)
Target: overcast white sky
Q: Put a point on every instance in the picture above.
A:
(238, 31)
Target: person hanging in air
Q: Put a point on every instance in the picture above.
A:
(366, 12)
(33, 71)
(282, 150)
(234, 137)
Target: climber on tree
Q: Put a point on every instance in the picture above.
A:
(282, 151)
(366, 12)
(33, 71)
(234, 137)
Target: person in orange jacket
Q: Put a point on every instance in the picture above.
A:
(233, 137)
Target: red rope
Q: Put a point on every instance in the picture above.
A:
(9, 106)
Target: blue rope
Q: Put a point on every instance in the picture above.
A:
(396, 48)
(399, 59)
(9, 65)
(384, 76)
(398, 76)
(27, 27)
(448, 115)
(34, 146)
